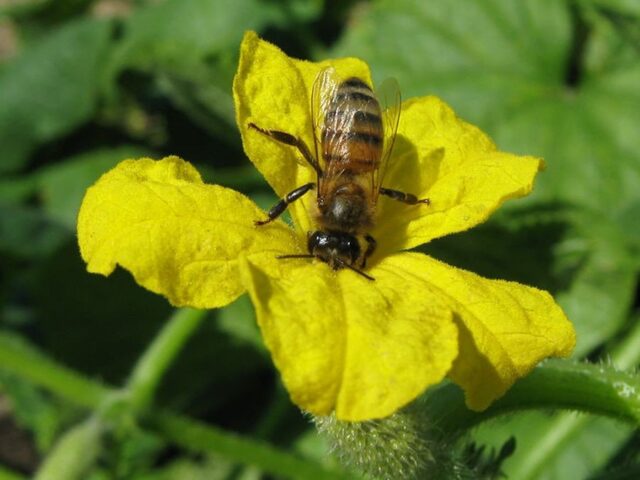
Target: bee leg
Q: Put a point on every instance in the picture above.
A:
(282, 205)
(403, 197)
(371, 247)
(289, 139)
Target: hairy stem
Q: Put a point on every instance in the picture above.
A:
(556, 384)
(566, 427)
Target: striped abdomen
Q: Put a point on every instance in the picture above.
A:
(352, 135)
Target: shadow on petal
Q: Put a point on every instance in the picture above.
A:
(475, 373)
(410, 173)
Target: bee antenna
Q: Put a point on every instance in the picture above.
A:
(281, 257)
(354, 269)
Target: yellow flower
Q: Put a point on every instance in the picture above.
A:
(343, 344)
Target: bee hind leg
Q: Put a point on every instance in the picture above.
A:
(279, 208)
(408, 198)
(288, 139)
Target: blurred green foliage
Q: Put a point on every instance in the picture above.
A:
(86, 83)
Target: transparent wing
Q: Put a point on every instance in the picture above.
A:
(332, 116)
(324, 90)
(388, 94)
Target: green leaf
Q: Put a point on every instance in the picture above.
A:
(50, 89)
(604, 277)
(627, 220)
(44, 11)
(556, 447)
(203, 92)
(26, 232)
(177, 33)
(191, 46)
(484, 57)
(191, 42)
(24, 8)
(131, 451)
(599, 298)
(505, 66)
(626, 7)
(14, 190)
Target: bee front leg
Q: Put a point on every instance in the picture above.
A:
(288, 139)
(371, 247)
(279, 208)
(408, 198)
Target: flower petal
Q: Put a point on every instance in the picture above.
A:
(455, 165)
(273, 91)
(176, 235)
(344, 343)
(505, 328)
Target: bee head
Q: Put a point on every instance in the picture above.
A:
(335, 248)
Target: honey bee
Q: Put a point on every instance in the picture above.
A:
(353, 136)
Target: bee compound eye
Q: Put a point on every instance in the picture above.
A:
(317, 239)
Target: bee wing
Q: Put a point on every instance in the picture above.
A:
(324, 90)
(326, 124)
(388, 94)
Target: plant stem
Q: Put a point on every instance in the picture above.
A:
(597, 389)
(567, 427)
(146, 375)
(19, 357)
(556, 384)
(74, 454)
(22, 359)
(200, 438)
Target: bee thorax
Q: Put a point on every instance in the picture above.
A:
(346, 211)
